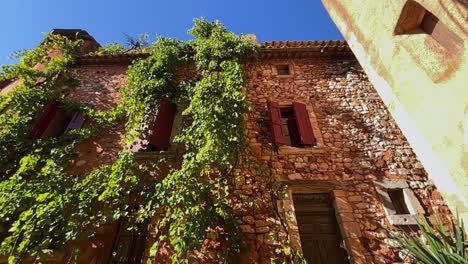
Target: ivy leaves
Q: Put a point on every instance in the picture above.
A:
(44, 207)
(197, 197)
(149, 80)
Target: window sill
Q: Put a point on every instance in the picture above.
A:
(285, 76)
(287, 150)
(404, 219)
(149, 155)
(430, 56)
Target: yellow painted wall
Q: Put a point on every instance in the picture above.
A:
(424, 86)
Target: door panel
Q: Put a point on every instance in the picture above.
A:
(318, 229)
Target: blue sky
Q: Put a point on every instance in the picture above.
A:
(23, 21)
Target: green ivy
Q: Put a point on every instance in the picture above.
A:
(43, 207)
(196, 197)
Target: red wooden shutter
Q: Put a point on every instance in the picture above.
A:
(303, 124)
(161, 136)
(276, 124)
(44, 120)
(75, 123)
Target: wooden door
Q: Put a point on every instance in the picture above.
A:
(129, 244)
(318, 229)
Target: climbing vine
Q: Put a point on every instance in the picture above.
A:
(196, 197)
(43, 207)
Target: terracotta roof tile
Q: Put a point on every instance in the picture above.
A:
(292, 48)
(327, 44)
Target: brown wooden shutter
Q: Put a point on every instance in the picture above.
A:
(161, 134)
(276, 124)
(303, 124)
(44, 120)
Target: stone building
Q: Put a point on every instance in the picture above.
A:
(321, 128)
(414, 53)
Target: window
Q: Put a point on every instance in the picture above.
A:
(283, 69)
(158, 134)
(397, 197)
(415, 19)
(55, 121)
(291, 125)
(400, 204)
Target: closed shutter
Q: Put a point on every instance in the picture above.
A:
(75, 123)
(161, 134)
(303, 124)
(276, 124)
(44, 120)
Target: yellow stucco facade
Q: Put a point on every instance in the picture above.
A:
(414, 52)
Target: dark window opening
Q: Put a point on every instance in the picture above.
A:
(397, 197)
(58, 124)
(415, 19)
(54, 121)
(432, 26)
(290, 129)
(283, 69)
(158, 135)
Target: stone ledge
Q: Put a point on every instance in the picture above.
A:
(147, 155)
(288, 150)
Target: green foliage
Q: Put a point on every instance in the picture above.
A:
(36, 88)
(139, 44)
(33, 189)
(149, 80)
(436, 245)
(43, 207)
(196, 197)
(113, 48)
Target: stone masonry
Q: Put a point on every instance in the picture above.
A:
(358, 143)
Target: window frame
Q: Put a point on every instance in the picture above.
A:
(53, 115)
(410, 34)
(280, 64)
(142, 143)
(412, 203)
(349, 227)
(308, 133)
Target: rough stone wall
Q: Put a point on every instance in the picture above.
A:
(98, 86)
(358, 143)
(422, 82)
